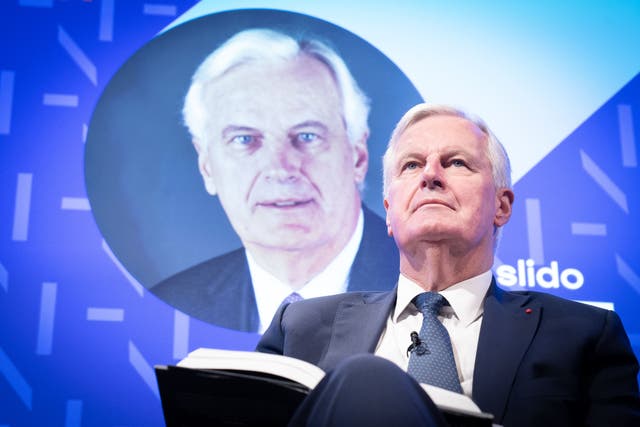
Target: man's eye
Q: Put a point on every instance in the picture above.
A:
(306, 137)
(410, 166)
(242, 139)
(458, 163)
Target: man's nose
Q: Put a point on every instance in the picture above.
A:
(432, 175)
(284, 163)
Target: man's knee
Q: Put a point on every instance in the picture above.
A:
(370, 370)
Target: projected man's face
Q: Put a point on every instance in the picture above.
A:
(278, 157)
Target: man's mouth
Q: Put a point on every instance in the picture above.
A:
(285, 204)
(433, 202)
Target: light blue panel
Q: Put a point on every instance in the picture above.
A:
(105, 314)
(603, 180)
(22, 207)
(4, 278)
(75, 204)
(47, 318)
(159, 9)
(143, 368)
(627, 137)
(78, 56)
(588, 229)
(105, 32)
(180, 335)
(15, 379)
(73, 417)
(60, 100)
(6, 101)
(534, 231)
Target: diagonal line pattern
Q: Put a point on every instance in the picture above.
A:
(15, 379)
(609, 187)
(143, 368)
(78, 56)
(627, 273)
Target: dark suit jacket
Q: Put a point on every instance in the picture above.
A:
(541, 360)
(220, 291)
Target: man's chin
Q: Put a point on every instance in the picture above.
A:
(287, 237)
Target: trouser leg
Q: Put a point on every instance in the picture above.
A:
(365, 390)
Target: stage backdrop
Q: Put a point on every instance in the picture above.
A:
(559, 84)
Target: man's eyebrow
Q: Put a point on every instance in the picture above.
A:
(310, 123)
(456, 151)
(404, 155)
(236, 128)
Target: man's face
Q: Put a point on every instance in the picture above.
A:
(278, 157)
(441, 187)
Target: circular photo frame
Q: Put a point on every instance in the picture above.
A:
(142, 172)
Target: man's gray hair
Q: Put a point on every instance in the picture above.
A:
(500, 165)
(269, 45)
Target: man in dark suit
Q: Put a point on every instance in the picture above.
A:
(280, 128)
(528, 358)
(220, 291)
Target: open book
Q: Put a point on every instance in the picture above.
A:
(251, 377)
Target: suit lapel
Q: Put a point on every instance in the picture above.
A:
(376, 265)
(509, 324)
(359, 322)
(235, 305)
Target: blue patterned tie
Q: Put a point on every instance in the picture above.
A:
(292, 297)
(432, 361)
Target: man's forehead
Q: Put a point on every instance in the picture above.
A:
(442, 133)
(255, 70)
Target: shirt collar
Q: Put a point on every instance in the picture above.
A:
(270, 291)
(466, 298)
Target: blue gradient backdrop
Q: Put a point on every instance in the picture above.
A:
(79, 335)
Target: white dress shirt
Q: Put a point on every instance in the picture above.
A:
(462, 319)
(334, 279)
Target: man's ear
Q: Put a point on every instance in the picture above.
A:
(386, 208)
(203, 166)
(360, 158)
(504, 206)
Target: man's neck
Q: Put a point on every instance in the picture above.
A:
(437, 267)
(296, 268)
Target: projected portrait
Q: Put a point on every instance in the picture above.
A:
(267, 197)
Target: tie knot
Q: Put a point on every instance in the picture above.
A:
(292, 297)
(430, 303)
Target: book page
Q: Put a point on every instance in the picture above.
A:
(294, 369)
(449, 400)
